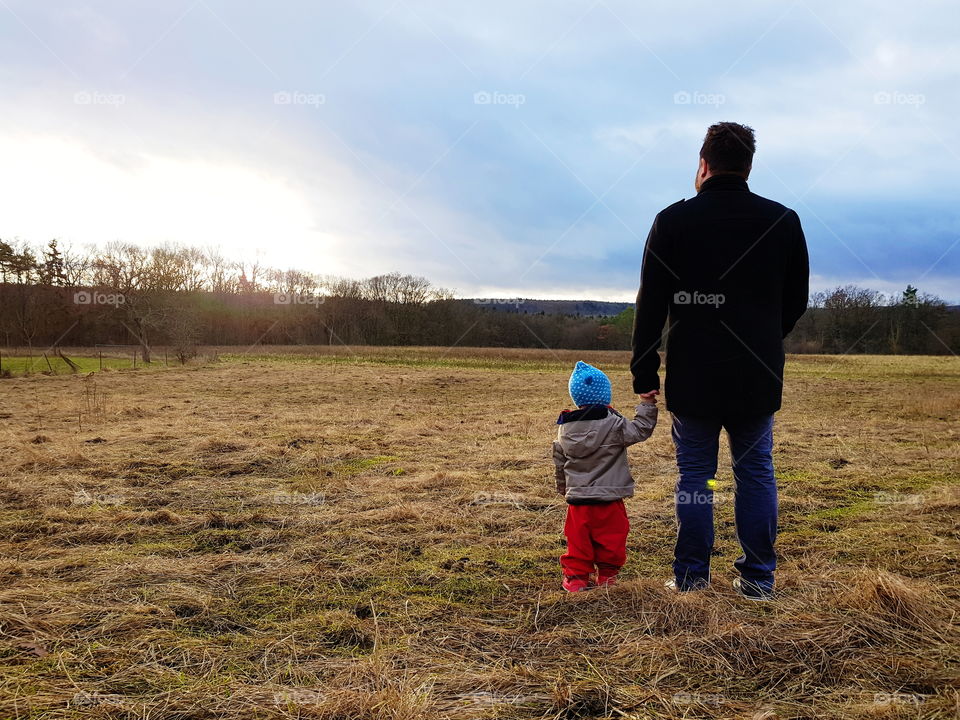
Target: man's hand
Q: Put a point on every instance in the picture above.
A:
(649, 398)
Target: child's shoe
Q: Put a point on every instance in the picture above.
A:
(607, 579)
(577, 583)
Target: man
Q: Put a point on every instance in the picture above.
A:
(728, 271)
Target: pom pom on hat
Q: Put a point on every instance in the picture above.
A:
(589, 386)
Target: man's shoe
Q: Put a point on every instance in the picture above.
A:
(751, 591)
(577, 583)
(672, 586)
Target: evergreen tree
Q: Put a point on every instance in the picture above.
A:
(50, 272)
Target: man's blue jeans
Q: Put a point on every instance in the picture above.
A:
(755, 497)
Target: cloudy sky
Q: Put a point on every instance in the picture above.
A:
(499, 148)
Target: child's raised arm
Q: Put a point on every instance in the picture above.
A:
(642, 425)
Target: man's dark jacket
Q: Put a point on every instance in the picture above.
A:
(728, 271)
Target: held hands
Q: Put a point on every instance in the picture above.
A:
(648, 398)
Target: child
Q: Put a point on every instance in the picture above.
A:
(590, 455)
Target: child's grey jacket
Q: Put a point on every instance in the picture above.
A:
(590, 452)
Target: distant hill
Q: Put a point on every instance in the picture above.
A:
(577, 308)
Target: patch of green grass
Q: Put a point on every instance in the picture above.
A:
(860, 507)
(346, 469)
(166, 547)
(216, 540)
(480, 560)
(358, 465)
(861, 368)
(272, 601)
(796, 475)
(835, 367)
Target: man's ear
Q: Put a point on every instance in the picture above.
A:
(704, 169)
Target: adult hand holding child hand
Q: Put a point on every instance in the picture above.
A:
(649, 398)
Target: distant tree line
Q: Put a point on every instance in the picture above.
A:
(183, 297)
(852, 319)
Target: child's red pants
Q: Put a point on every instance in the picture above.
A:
(596, 536)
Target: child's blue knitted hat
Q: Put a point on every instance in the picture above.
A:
(589, 386)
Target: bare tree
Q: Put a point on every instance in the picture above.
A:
(397, 288)
(221, 275)
(126, 270)
(77, 266)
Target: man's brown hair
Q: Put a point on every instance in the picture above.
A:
(728, 148)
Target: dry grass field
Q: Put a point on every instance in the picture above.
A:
(311, 533)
